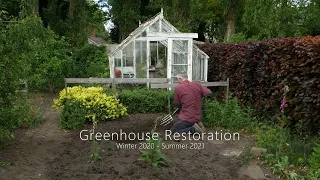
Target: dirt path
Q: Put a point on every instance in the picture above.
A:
(33, 148)
(48, 152)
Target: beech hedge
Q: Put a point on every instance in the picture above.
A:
(260, 70)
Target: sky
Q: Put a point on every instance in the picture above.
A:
(108, 25)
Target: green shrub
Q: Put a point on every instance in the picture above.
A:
(7, 122)
(29, 116)
(281, 141)
(73, 115)
(146, 101)
(314, 162)
(90, 61)
(274, 138)
(227, 115)
(288, 151)
(21, 114)
(87, 104)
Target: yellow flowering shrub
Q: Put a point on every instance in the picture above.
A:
(95, 105)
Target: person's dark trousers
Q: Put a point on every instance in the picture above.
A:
(183, 127)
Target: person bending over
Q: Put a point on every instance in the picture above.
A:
(188, 98)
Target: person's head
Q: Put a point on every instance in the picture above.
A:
(182, 77)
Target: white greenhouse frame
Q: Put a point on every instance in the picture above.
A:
(138, 55)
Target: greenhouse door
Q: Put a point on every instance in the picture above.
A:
(179, 58)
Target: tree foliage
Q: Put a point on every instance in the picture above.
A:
(126, 15)
(90, 61)
(43, 55)
(219, 20)
(74, 18)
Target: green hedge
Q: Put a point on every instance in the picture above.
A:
(145, 101)
(259, 71)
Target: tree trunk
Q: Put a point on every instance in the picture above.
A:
(230, 21)
(51, 87)
(36, 7)
(71, 8)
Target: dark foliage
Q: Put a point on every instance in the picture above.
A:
(258, 72)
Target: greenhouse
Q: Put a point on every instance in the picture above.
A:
(156, 49)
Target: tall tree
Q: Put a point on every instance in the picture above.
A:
(230, 18)
(273, 18)
(73, 18)
(125, 13)
(221, 20)
(12, 7)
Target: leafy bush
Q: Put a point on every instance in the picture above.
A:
(21, 114)
(90, 61)
(145, 101)
(227, 115)
(274, 138)
(288, 151)
(314, 162)
(30, 116)
(73, 115)
(281, 141)
(7, 122)
(259, 71)
(87, 104)
(51, 64)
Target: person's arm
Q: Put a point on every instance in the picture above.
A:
(210, 95)
(206, 92)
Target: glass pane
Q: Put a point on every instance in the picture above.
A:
(138, 52)
(180, 46)
(180, 58)
(176, 69)
(117, 62)
(127, 55)
(194, 65)
(161, 66)
(118, 54)
(154, 27)
(143, 34)
(202, 69)
(141, 57)
(154, 53)
(166, 27)
(117, 59)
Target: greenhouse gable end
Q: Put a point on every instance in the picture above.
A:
(156, 49)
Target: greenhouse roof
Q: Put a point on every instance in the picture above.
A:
(142, 27)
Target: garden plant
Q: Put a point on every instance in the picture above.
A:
(153, 156)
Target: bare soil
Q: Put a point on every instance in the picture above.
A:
(48, 152)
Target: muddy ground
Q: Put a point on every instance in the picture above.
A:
(48, 152)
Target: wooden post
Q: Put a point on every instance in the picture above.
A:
(227, 93)
(134, 58)
(189, 61)
(114, 88)
(169, 104)
(121, 52)
(65, 87)
(148, 59)
(26, 85)
(169, 56)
